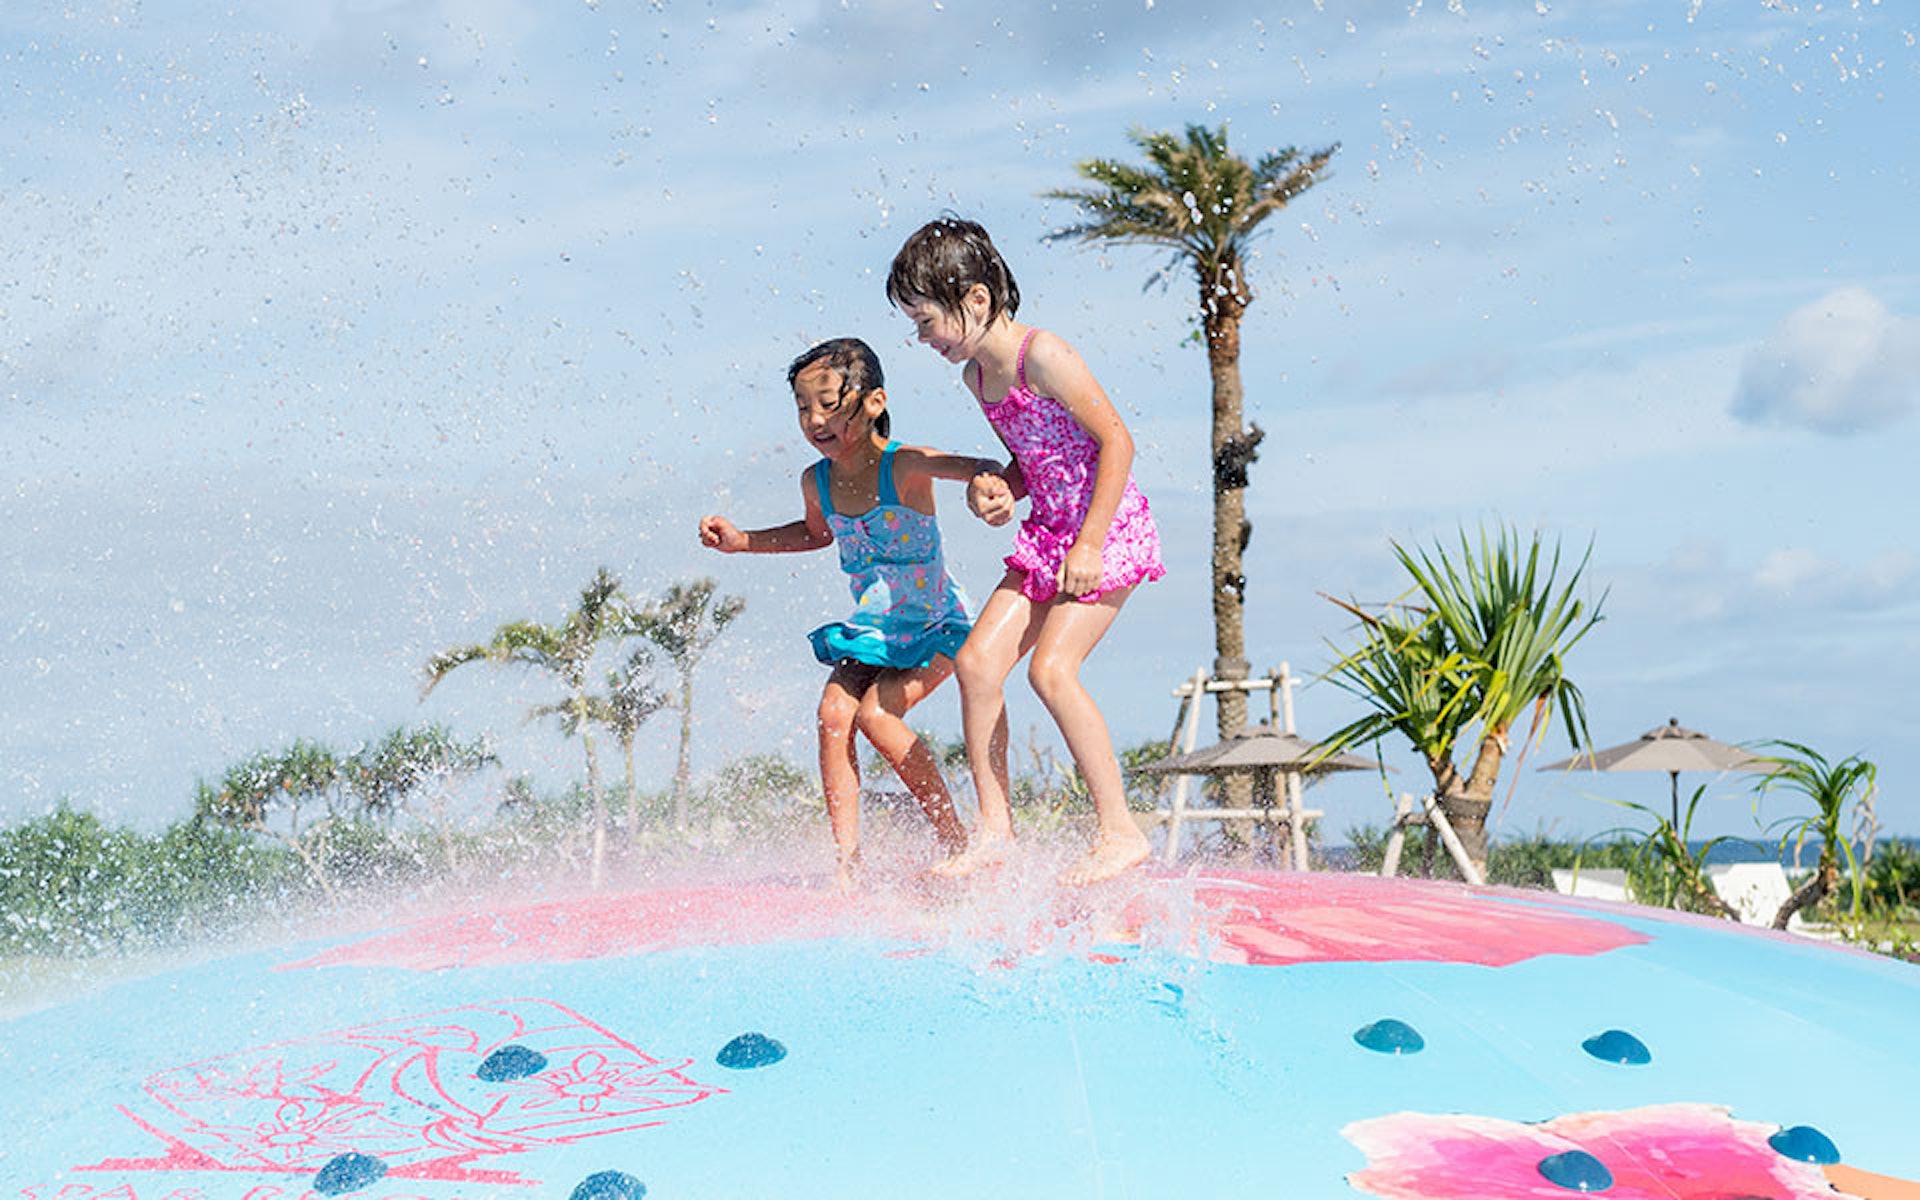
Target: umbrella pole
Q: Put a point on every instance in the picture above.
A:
(1675, 776)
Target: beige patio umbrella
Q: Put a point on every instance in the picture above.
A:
(1672, 748)
(1268, 753)
(1263, 749)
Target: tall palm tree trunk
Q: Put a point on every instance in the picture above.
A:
(596, 800)
(683, 770)
(1233, 451)
(633, 794)
(599, 803)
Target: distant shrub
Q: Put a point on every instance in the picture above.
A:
(70, 884)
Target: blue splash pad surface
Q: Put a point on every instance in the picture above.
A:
(947, 1064)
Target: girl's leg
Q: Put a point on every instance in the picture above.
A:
(881, 718)
(839, 770)
(1069, 630)
(1003, 633)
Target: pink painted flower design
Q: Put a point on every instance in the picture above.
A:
(1660, 1152)
(592, 1081)
(301, 1133)
(266, 1078)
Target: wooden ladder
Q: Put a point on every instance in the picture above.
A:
(1279, 687)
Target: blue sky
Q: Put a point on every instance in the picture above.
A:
(333, 337)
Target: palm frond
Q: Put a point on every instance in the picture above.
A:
(1193, 195)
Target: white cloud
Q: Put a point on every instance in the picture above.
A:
(1843, 364)
(1698, 582)
(1787, 570)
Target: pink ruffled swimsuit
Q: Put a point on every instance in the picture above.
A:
(1058, 459)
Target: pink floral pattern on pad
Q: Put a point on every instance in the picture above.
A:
(1660, 1152)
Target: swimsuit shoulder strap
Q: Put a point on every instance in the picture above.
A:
(1020, 360)
(820, 483)
(888, 495)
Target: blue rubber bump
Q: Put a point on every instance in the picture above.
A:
(1388, 1036)
(1618, 1046)
(609, 1185)
(348, 1172)
(511, 1062)
(750, 1050)
(1577, 1171)
(1805, 1143)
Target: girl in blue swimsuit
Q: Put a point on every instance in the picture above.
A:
(874, 498)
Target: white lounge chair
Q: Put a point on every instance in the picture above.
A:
(1598, 883)
(1756, 890)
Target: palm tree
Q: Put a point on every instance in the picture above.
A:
(1485, 643)
(1831, 786)
(629, 700)
(684, 623)
(1204, 203)
(632, 698)
(565, 651)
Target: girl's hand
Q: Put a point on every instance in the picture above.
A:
(1080, 572)
(723, 535)
(990, 498)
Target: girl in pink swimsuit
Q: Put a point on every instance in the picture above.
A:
(1087, 541)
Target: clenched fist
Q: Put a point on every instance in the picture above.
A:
(990, 498)
(723, 535)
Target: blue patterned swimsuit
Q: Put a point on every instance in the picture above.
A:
(907, 609)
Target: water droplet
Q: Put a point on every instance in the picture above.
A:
(348, 1172)
(1577, 1171)
(1389, 1036)
(750, 1050)
(609, 1185)
(1805, 1143)
(511, 1062)
(1618, 1046)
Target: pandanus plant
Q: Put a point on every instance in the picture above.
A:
(1832, 787)
(1478, 643)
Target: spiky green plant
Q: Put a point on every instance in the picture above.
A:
(1205, 204)
(417, 769)
(1669, 871)
(1482, 643)
(1832, 787)
(252, 794)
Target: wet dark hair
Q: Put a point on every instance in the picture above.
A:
(946, 257)
(859, 369)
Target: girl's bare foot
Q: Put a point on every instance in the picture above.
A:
(1111, 855)
(984, 851)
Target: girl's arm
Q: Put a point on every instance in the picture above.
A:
(991, 488)
(810, 532)
(1055, 369)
